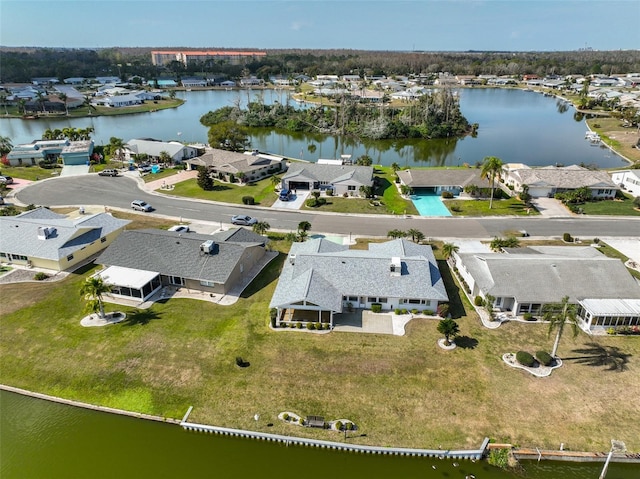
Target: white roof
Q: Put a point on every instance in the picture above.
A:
(612, 307)
(127, 277)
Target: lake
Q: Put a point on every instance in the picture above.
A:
(45, 439)
(515, 125)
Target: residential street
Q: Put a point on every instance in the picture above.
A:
(120, 191)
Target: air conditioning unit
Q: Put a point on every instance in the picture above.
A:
(209, 247)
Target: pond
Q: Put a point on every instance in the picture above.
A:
(515, 125)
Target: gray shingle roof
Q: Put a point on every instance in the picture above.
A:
(322, 274)
(429, 178)
(19, 234)
(569, 177)
(550, 274)
(174, 254)
(329, 173)
(233, 162)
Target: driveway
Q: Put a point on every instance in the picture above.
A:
(295, 203)
(551, 207)
(628, 247)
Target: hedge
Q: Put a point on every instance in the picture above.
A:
(525, 358)
(544, 357)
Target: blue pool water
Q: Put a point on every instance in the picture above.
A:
(429, 204)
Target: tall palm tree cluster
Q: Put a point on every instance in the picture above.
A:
(71, 134)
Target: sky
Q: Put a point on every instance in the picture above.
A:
(427, 25)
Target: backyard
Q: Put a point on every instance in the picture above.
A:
(402, 391)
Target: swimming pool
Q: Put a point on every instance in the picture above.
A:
(429, 204)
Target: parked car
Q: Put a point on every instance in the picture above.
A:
(108, 172)
(243, 220)
(180, 228)
(144, 168)
(140, 205)
(7, 180)
(285, 195)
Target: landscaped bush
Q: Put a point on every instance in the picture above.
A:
(447, 195)
(310, 326)
(428, 312)
(478, 301)
(285, 416)
(273, 314)
(443, 310)
(567, 238)
(404, 311)
(525, 358)
(376, 307)
(544, 357)
(248, 200)
(312, 202)
(398, 311)
(338, 425)
(321, 201)
(414, 311)
(528, 317)
(349, 426)
(40, 276)
(329, 192)
(299, 325)
(456, 209)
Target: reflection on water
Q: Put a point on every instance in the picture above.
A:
(515, 125)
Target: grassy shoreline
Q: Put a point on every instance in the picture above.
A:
(401, 391)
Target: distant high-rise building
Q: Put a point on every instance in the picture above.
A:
(163, 57)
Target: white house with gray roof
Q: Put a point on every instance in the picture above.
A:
(549, 180)
(321, 278)
(628, 180)
(342, 179)
(140, 262)
(41, 238)
(437, 180)
(523, 280)
(177, 151)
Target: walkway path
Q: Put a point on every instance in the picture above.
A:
(169, 181)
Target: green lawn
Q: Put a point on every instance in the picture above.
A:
(31, 173)
(85, 111)
(617, 207)
(162, 174)
(511, 206)
(262, 191)
(402, 391)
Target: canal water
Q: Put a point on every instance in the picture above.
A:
(515, 125)
(41, 439)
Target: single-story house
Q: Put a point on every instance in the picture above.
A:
(523, 280)
(628, 180)
(193, 82)
(438, 180)
(44, 239)
(252, 164)
(153, 148)
(549, 180)
(71, 152)
(140, 262)
(320, 279)
(342, 179)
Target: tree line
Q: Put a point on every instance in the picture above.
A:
(20, 64)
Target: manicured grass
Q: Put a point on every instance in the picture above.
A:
(338, 204)
(31, 173)
(402, 391)
(162, 174)
(143, 221)
(511, 206)
(615, 135)
(621, 207)
(262, 191)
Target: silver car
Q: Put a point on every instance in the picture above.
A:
(243, 220)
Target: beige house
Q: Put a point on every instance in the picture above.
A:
(253, 166)
(41, 238)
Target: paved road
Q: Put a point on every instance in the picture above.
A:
(119, 192)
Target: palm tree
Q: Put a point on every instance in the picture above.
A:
(22, 105)
(304, 226)
(395, 167)
(448, 249)
(117, 148)
(92, 290)
(491, 168)
(559, 314)
(5, 145)
(63, 98)
(416, 235)
(395, 234)
(275, 180)
(3, 100)
(449, 328)
(261, 227)
(165, 157)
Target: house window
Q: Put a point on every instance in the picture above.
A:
(382, 300)
(351, 188)
(103, 239)
(353, 298)
(210, 284)
(371, 300)
(415, 301)
(3, 255)
(70, 257)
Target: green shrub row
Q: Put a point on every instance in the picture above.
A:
(525, 359)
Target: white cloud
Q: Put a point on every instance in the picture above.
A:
(298, 25)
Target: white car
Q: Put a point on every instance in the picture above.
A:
(243, 220)
(180, 229)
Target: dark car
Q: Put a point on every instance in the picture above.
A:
(285, 195)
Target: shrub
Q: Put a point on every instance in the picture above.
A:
(40, 276)
(345, 195)
(248, 200)
(397, 311)
(404, 311)
(315, 194)
(528, 317)
(428, 312)
(456, 209)
(525, 358)
(285, 416)
(338, 425)
(544, 357)
(329, 192)
(299, 325)
(478, 301)
(310, 326)
(447, 195)
(326, 326)
(312, 202)
(349, 426)
(443, 310)
(414, 311)
(376, 307)
(273, 314)
(321, 201)
(567, 238)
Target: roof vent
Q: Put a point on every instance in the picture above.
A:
(292, 259)
(395, 268)
(209, 247)
(45, 232)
